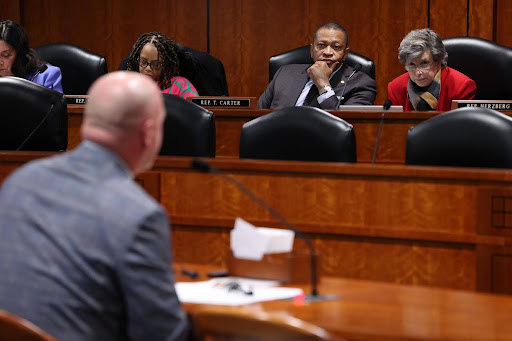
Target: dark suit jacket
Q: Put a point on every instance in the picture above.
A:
(288, 82)
(85, 252)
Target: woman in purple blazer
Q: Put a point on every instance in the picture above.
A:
(18, 59)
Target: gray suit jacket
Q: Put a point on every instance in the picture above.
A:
(288, 82)
(85, 252)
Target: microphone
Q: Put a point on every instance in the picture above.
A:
(386, 106)
(41, 69)
(37, 127)
(357, 67)
(205, 167)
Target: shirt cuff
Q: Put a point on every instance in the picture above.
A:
(325, 96)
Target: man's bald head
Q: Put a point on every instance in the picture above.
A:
(119, 100)
(125, 113)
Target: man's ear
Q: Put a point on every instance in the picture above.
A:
(347, 50)
(311, 51)
(147, 131)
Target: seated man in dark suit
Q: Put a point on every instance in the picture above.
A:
(84, 251)
(326, 84)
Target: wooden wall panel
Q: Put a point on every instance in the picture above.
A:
(184, 22)
(110, 28)
(449, 18)
(481, 19)
(10, 9)
(503, 26)
(244, 34)
(85, 23)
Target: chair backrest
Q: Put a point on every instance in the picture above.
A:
(298, 133)
(14, 328)
(302, 55)
(80, 68)
(489, 64)
(206, 72)
(33, 116)
(465, 137)
(189, 129)
(233, 323)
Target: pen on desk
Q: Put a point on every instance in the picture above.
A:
(234, 286)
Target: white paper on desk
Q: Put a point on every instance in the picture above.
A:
(250, 242)
(214, 293)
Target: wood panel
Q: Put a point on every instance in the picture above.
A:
(110, 28)
(401, 224)
(449, 18)
(481, 19)
(10, 9)
(503, 28)
(408, 225)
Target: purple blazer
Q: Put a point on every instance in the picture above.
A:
(50, 78)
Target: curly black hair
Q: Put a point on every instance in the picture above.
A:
(166, 50)
(26, 61)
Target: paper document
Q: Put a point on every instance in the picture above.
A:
(233, 291)
(250, 242)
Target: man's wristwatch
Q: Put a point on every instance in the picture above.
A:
(325, 90)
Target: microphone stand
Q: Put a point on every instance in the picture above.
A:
(357, 67)
(386, 106)
(314, 296)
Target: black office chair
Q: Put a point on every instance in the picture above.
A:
(487, 63)
(189, 129)
(80, 68)
(298, 133)
(302, 55)
(206, 72)
(33, 116)
(464, 137)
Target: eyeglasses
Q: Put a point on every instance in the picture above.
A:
(422, 66)
(154, 64)
(335, 47)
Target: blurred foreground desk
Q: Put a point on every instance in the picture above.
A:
(380, 311)
(434, 226)
(229, 123)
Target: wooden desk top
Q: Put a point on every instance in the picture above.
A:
(368, 310)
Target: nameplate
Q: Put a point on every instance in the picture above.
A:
(224, 102)
(489, 104)
(76, 99)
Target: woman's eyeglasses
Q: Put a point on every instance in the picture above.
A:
(154, 64)
(422, 66)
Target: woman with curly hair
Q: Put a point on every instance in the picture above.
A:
(154, 54)
(18, 59)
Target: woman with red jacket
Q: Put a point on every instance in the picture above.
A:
(428, 84)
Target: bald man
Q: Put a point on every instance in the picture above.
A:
(84, 251)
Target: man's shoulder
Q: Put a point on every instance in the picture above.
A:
(294, 68)
(363, 77)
